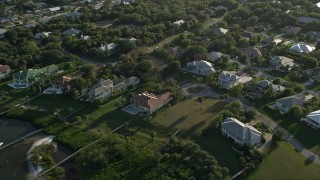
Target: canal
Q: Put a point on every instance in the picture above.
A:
(13, 159)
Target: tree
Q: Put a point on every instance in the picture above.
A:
(250, 114)
(296, 112)
(88, 71)
(153, 134)
(236, 90)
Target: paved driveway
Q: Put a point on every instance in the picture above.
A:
(206, 91)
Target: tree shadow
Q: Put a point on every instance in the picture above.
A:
(216, 107)
(309, 160)
(192, 129)
(177, 122)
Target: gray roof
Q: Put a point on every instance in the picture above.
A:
(296, 100)
(2, 31)
(71, 32)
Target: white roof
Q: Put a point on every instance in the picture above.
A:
(54, 9)
(318, 4)
(109, 47)
(314, 116)
(200, 64)
(301, 47)
(179, 22)
(2, 31)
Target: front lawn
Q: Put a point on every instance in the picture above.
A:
(286, 163)
(305, 134)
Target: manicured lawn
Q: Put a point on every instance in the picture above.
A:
(191, 118)
(189, 115)
(285, 163)
(305, 134)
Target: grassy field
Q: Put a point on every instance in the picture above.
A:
(305, 134)
(191, 118)
(285, 163)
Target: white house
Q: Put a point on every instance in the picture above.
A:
(213, 56)
(229, 79)
(302, 48)
(278, 62)
(101, 90)
(220, 31)
(285, 104)
(318, 4)
(313, 119)
(202, 67)
(42, 35)
(264, 84)
(2, 32)
(4, 71)
(240, 133)
(54, 9)
(305, 20)
(109, 47)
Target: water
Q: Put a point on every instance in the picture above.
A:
(13, 159)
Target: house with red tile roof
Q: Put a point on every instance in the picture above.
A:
(149, 102)
(4, 71)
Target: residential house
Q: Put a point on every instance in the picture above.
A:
(123, 85)
(54, 9)
(4, 71)
(264, 84)
(213, 56)
(229, 79)
(202, 67)
(251, 52)
(74, 14)
(26, 78)
(2, 33)
(31, 24)
(220, 31)
(102, 90)
(313, 119)
(270, 41)
(313, 74)
(71, 32)
(247, 35)
(292, 30)
(280, 62)
(285, 104)
(313, 35)
(242, 134)
(302, 48)
(318, 4)
(42, 35)
(305, 20)
(179, 23)
(176, 52)
(60, 85)
(148, 102)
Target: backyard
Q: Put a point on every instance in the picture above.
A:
(289, 162)
(305, 134)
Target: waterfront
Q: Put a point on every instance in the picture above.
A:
(13, 159)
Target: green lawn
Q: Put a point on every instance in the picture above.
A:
(285, 163)
(305, 134)
(191, 118)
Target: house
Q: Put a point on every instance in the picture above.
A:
(2, 33)
(176, 52)
(4, 71)
(279, 62)
(229, 79)
(242, 134)
(285, 104)
(292, 30)
(313, 74)
(251, 52)
(313, 35)
(109, 47)
(220, 31)
(148, 102)
(264, 84)
(313, 119)
(62, 84)
(123, 85)
(54, 9)
(318, 4)
(26, 78)
(270, 41)
(74, 14)
(302, 48)
(201, 67)
(31, 25)
(179, 23)
(42, 35)
(247, 35)
(305, 20)
(71, 32)
(102, 90)
(213, 56)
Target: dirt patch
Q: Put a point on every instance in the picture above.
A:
(195, 89)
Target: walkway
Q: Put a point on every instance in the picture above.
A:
(290, 139)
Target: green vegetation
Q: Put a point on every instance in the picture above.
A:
(298, 129)
(285, 163)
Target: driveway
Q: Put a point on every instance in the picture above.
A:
(206, 91)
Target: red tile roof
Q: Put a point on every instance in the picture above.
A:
(4, 68)
(149, 100)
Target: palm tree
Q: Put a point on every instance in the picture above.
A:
(153, 134)
(3, 95)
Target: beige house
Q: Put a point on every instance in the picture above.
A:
(148, 102)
